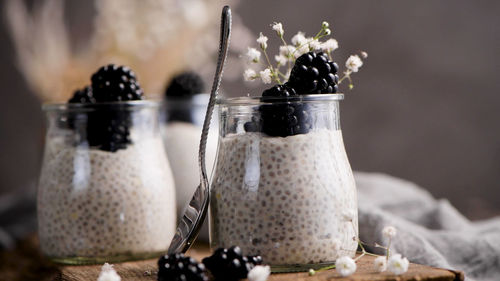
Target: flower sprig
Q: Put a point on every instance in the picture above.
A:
(289, 52)
(346, 266)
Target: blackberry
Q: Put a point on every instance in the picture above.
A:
(75, 120)
(84, 95)
(115, 83)
(313, 73)
(106, 128)
(284, 90)
(255, 260)
(183, 87)
(230, 264)
(281, 118)
(109, 130)
(185, 84)
(177, 267)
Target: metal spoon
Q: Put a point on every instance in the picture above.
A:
(196, 211)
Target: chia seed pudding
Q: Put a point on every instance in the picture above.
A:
(94, 203)
(285, 198)
(106, 191)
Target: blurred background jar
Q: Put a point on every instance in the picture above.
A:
(104, 196)
(184, 108)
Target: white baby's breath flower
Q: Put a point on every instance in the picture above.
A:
(265, 75)
(109, 276)
(108, 273)
(347, 215)
(253, 55)
(328, 31)
(353, 63)
(107, 267)
(301, 49)
(345, 266)
(325, 24)
(281, 59)
(389, 231)
(262, 40)
(314, 44)
(397, 264)
(380, 264)
(259, 273)
(364, 54)
(249, 75)
(329, 45)
(299, 39)
(287, 51)
(278, 27)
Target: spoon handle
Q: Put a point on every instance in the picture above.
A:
(225, 33)
(196, 211)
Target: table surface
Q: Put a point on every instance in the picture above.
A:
(26, 263)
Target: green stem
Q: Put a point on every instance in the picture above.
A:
(319, 33)
(326, 268)
(347, 75)
(283, 40)
(360, 256)
(273, 71)
(268, 61)
(281, 74)
(388, 249)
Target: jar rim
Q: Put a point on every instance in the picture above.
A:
(265, 100)
(130, 105)
(200, 99)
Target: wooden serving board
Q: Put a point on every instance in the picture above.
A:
(26, 263)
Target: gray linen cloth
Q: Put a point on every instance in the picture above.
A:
(429, 231)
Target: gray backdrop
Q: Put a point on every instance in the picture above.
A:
(424, 106)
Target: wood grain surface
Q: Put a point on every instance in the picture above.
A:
(26, 263)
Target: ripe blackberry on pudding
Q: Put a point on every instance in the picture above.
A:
(115, 83)
(282, 119)
(185, 84)
(312, 73)
(84, 95)
(106, 128)
(284, 90)
(181, 90)
(177, 267)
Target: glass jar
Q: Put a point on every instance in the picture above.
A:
(182, 121)
(283, 187)
(106, 192)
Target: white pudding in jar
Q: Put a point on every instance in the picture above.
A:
(291, 199)
(94, 203)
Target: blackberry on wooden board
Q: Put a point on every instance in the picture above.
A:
(177, 267)
(230, 264)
